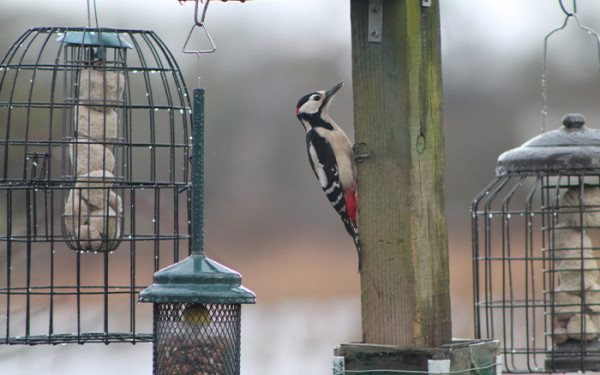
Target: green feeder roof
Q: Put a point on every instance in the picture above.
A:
(197, 279)
(94, 39)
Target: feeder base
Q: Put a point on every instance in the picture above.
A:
(573, 355)
(460, 356)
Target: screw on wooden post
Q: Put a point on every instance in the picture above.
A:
(398, 114)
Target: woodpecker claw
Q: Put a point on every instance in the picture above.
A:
(359, 158)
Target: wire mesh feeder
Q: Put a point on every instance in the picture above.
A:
(535, 234)
(197, 338)
(94, 157)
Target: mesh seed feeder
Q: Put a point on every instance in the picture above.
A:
(197, 302)
(535, 234)
(197, 317)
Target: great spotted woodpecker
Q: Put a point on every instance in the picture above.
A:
(331, 157)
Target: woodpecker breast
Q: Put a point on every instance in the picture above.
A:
(342, 149)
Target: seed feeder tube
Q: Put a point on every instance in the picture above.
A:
(93, 211)
(197, 301)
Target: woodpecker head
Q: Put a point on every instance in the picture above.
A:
(312, 108)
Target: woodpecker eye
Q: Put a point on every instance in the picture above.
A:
(316, 98)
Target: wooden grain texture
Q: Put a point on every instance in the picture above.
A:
(398, 114)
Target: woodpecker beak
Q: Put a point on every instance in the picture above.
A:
(331, 92)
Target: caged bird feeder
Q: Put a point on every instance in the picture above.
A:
(536, 230)
(94, 182)
(536, 235)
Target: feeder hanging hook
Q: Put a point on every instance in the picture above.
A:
(200, 24)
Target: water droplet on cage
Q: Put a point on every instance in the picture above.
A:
(154, 220)
(181, 111)
(190, 111)
(134, 71)
(130, 236)
(508, 216)
(31, 81)
(147, 94)
(155, 109)
(153, 72)
(490, 215)
(150, 147)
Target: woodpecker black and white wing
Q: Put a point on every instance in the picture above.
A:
(324, 165)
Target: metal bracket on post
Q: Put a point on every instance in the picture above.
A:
(375, 20)
(426, 3)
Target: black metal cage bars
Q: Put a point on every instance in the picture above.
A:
(536, 268)
(94, 182)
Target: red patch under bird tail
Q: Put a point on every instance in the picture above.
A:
(352, 204)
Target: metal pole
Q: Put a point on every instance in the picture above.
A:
(198, 172)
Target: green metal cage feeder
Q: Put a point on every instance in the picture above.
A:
(536, 236)
(95, 188)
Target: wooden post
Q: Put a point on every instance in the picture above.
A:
(398, 114)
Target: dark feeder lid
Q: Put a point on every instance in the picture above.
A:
(573, 147)
(94, 39)
(197, 279)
